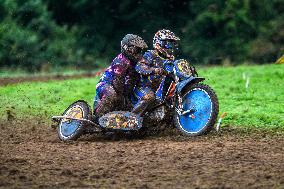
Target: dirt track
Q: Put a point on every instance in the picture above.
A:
(32, 156)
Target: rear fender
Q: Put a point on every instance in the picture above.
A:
(189, 81)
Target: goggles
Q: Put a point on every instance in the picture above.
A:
(169, 44)
(135, 50)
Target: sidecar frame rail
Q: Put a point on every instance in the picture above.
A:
(67, 117)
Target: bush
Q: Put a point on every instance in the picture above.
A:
(30, 39)
(36, 32)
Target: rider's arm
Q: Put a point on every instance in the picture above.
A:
(143, 67)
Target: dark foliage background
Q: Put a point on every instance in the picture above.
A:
(37, 34)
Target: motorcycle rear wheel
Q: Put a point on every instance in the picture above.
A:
(202, 100)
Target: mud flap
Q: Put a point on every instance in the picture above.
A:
(121, 120)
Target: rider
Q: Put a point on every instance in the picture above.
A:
(151, 68)
(120, 77)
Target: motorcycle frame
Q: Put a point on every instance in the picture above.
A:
(173, 92)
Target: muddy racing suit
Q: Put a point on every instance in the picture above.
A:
(150, 79)
(115, 85)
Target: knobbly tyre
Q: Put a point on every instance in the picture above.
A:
(181, 95)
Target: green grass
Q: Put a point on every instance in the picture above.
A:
(44, 99)
(261, 105)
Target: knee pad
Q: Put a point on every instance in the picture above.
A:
(150, 97)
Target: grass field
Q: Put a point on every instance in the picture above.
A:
(260, 105)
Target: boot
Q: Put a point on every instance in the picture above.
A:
(140, 107)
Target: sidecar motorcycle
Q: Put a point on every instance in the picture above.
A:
(181, 95)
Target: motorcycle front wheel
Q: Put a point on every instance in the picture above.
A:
(200, 108)
(71, 129)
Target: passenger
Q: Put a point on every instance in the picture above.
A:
(120, 78)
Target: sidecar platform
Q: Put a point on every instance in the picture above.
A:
(121, 120)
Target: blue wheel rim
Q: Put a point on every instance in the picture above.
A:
(200, 103)
(69, 127)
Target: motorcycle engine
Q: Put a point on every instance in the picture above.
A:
(158, 114)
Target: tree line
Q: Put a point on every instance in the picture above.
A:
(37, 34)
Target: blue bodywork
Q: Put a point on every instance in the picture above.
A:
(187, 81)
(159, 92)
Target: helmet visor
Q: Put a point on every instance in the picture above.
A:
(135, 50)
(169, 44)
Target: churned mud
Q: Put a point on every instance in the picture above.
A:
(31, 156)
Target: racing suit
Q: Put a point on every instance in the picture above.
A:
(149, 80)
(115, 85)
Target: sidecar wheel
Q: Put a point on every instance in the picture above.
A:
(203, 102)
(69, 129)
